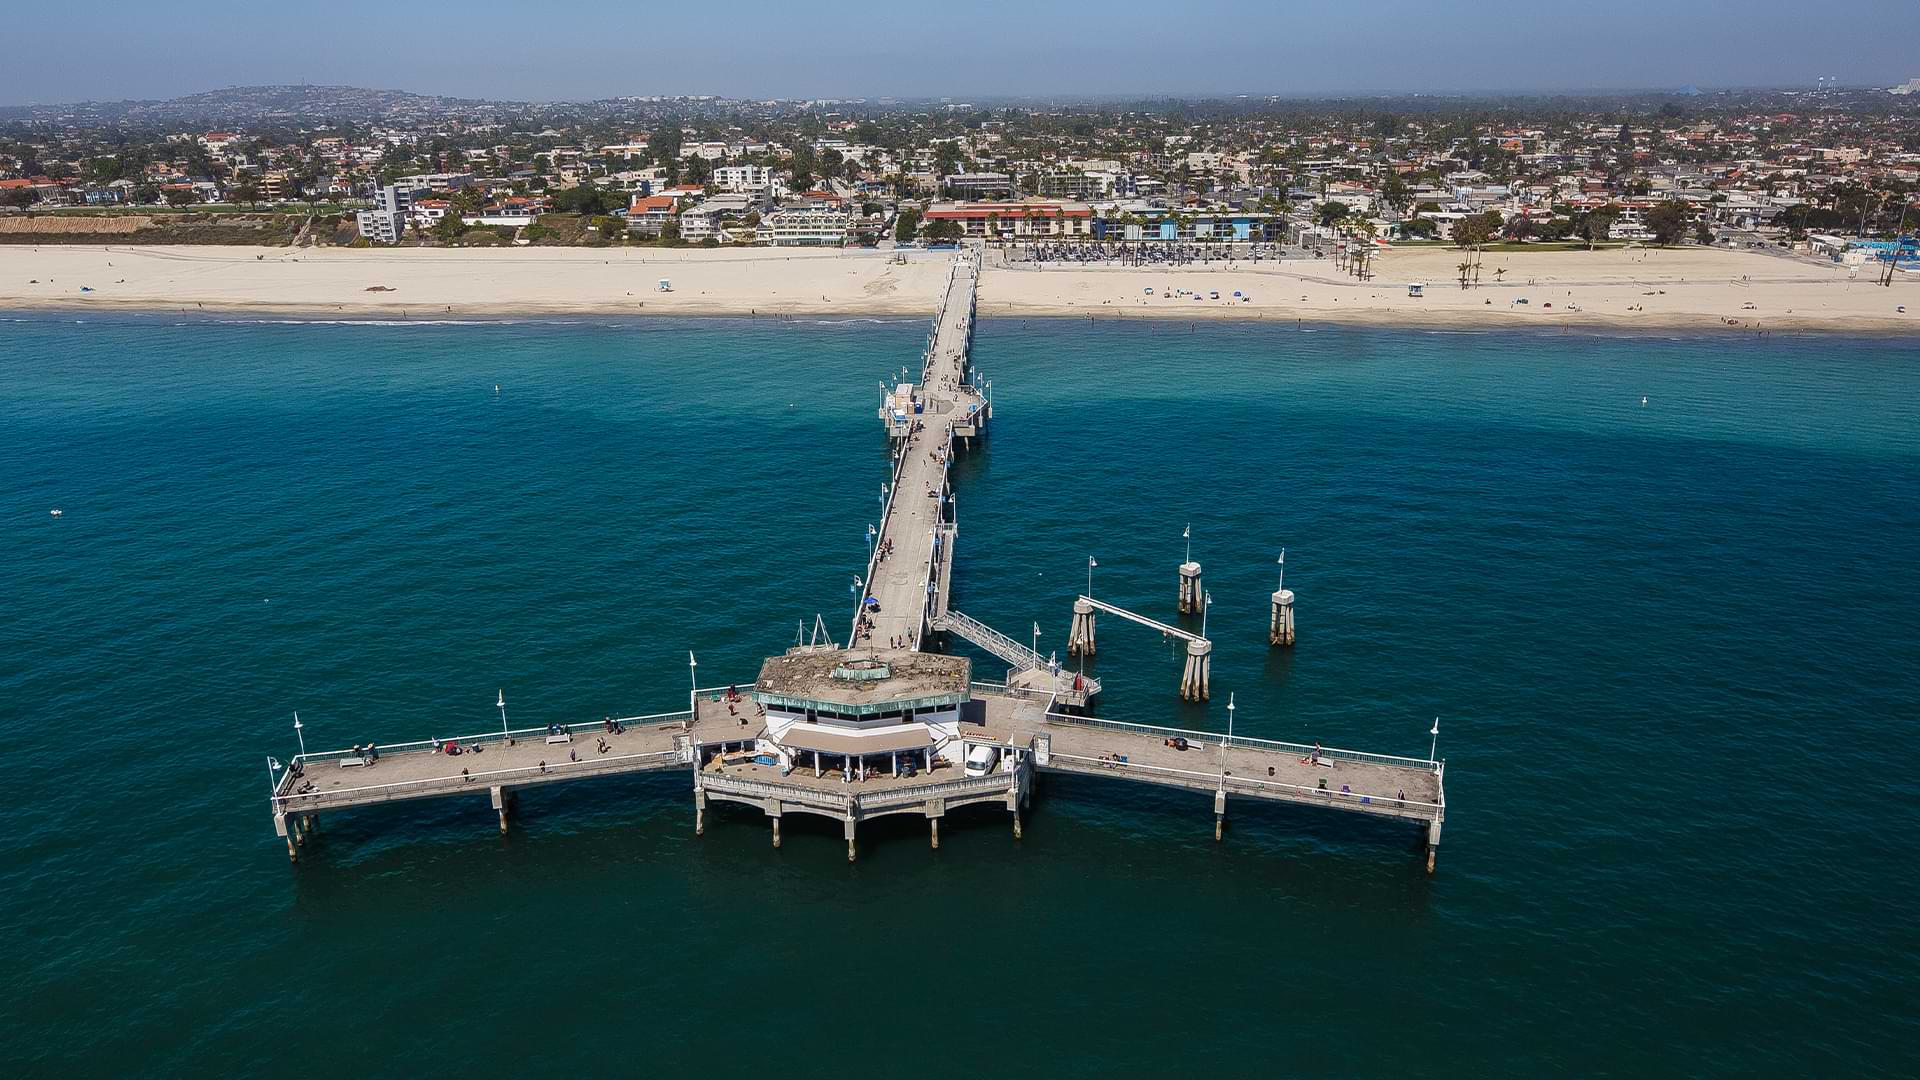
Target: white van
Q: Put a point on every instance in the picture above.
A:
(981, 760)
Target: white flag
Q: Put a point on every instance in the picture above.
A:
(1090, 563)
(273, 763)
(1436, 726)
(1036, 629)
(691, 662)
(1186, 533)
(1283, 556)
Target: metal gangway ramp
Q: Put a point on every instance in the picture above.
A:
(1030, 668)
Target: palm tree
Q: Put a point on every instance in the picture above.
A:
(1464, 268)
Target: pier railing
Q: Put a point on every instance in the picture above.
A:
(407, 789)
(429, 746)
(847, 802)
(842, 802)
(997, 781)
(1000, 689)
(1215, 738)
(1252, 785)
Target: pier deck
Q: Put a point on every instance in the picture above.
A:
(910, 581)
(1027, 717)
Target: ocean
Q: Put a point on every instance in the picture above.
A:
(1671, 647)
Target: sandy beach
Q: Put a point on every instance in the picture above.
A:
(1677, 288)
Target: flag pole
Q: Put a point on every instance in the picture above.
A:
(693, 683)
(1224, 745)
(501, 703)
(1282, 586)
(297, 726)
(1434, 746)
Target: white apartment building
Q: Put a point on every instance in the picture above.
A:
(804, 228)
(702, 221)
(381, 226)
(743, 178)
(386, 223)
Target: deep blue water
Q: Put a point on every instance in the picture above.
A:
(1673, 648)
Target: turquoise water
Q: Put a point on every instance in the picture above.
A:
(1672, 646)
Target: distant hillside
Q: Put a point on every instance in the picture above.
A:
(242, 105)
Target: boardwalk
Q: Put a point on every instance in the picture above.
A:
(913, 554)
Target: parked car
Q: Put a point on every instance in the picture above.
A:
(982, 759)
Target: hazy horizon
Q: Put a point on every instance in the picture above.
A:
(994, 49)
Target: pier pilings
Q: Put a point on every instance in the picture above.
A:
(1196, 678)
(501, 796)
(1080, 637)
(1192, 596)
(1280, 628)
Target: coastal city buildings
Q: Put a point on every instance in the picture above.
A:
(1766, 169)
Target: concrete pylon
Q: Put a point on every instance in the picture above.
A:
(1080, 638)
(850, 851)
(1192, 597)
(1195, 679)
(1280, 630)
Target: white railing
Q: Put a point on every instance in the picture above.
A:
(995, 642)
(1256, 786)
(848, 802)
(402, 789)
(997, 781)
(1214, 738)
(788, 792)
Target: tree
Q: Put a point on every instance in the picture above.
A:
(1331, 213)
(1418, 228)
(449, 227)
(1702, 232)
(906, 224)
(17, 197)
(246, 191)
(1476, 229)
(1596, 225)
(943, 230)
(1668, 222)
(585, 200)
(1393, 192)
(181, 196)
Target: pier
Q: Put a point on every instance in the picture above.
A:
(888, 724)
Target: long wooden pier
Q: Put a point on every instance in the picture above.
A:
(1033, 723)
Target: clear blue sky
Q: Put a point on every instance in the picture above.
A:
(834, 48)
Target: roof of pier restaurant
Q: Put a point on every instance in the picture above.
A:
(863, 682)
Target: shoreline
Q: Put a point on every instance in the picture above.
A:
(1315, 319)
(1697, 290)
